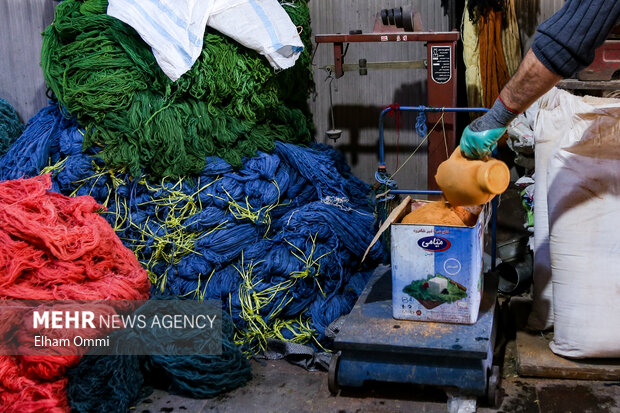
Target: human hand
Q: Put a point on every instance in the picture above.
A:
(481, 136)
(478, 144)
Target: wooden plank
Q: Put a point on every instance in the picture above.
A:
(574, 84)
(394, 215)
(535, 359)
(350, 67)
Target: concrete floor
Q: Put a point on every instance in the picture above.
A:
(278, 386)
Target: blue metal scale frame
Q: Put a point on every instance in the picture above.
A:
(373, 346)
(382, 169)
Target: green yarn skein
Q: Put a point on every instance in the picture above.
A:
(231, 103)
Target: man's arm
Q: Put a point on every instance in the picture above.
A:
(564, 44)
(531, 81)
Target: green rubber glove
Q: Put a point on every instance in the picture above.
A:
(481, 136)
(476, 145)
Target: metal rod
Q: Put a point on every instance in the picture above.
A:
(416, 109)
(415, 191)
(388, 37)
(350, 67)
(331, 102)
(493, 232)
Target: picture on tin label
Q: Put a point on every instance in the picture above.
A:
(435, 290)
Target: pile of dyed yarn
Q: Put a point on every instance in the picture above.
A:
(55, 247)
(278, 240)
(211, 181)
(10, 126)
(230, 104)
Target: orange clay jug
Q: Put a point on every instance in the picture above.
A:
(471, 181)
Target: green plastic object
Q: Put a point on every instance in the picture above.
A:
(477, 145)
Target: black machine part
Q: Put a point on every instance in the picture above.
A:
(401, 17)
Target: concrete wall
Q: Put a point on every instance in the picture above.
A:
(21, 79)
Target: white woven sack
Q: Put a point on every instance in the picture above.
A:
(584, 221)
(175, 29)
(555, 109)
(555, 124)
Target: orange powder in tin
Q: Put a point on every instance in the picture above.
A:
(441, 213)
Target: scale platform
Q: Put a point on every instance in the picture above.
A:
(373, 346)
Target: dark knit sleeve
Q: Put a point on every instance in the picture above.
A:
(565, 42)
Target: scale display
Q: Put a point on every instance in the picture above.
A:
(441, 64)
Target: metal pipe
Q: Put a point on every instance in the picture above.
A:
(416, 109)
(415, 191)
(515, 277)
(381, 154)
(440, 109)
(494, 202)
(493, 232)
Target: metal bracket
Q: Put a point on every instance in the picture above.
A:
(441, 80)
(350, 67)
(339, 40)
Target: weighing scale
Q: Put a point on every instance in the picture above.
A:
(373, 346)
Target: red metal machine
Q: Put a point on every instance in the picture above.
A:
(403, 25)
(371, 344)
(606, 59)
(606, 62)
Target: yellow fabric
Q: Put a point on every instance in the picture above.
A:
(492, 54)
(471, 56)
(511, 40)
(493, 70)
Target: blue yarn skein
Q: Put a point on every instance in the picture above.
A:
(201, 376)
(278, 240)
(104, 384)
(113, 383)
